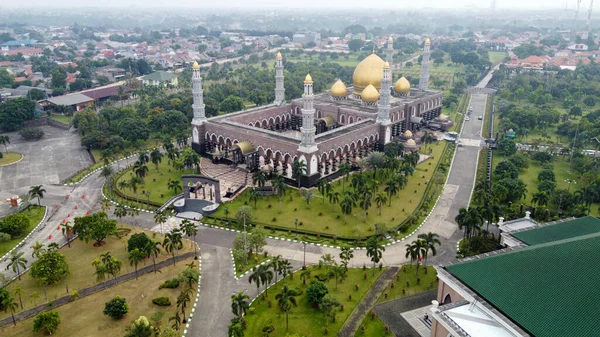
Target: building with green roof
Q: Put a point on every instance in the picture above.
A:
(160, 78)
(544, 286)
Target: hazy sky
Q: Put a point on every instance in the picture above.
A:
(232, 4)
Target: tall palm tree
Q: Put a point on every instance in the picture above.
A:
(176, 318)
(190, 230)
(299, 169)
(325, 189)
(135, 256)
(374, 251)
(17, 261)
(286, 268)
(281, 187)
(4, 140)
(259, 178)
(308, 195)
(143, 157)
(107, 172)
(260, 276)
(134, 183)
(19, 292)
(285, 300)
(391, 188)
(172, 242)
(140, 169)
(120, 211)
(380, 199)
(156, 157)
(37, 192)
(346, 205)
(239, 303)
(67, 232)
(469, 220)
(152, 249)
(254, 195)
(38, 249)
(276, 263)
(430, 239)
(365, 201)
(334, 198)
(174, 185)
(9, 304)
(173, 153)
(100, 271)
(182, 301)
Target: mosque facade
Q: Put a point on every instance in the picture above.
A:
(324, 130)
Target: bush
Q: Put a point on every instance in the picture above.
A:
(169, 284)
(116, 308)
(4, 295)
(4, 237)
(404, 228)
(14, 224)
(46, 322)
(162, 301)
(315, 292)
(140, 328)
(32, 133)
(138, 241)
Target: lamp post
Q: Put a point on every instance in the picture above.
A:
(296, 224)
(245, 241)
(304, 263)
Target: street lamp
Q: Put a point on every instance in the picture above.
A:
(304, 263)
(245, 241)
(296, 223)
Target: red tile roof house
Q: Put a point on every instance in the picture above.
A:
(26, 52)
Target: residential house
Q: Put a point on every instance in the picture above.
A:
(160, 78)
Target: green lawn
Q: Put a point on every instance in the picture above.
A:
(35, 214)
(496, 56)
(62, 118)
(408, 283)
(443, 72)
(303, 319)
(10, 158)
(372, 327)
(255, 260)
(320, 217)
(155, 181)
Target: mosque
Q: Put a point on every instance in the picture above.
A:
(322, 130)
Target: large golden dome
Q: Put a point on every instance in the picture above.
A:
(338, 89)
(195, 65)
(370, 94)
(368, 71)
(402, 85)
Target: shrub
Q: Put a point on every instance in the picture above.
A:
(315, 292)
(116, 308)
(4, 295)
(32, 133)
(404, 228)
(74, 295)
(14, 224)
(170, 284)
(140, 328)
(46, 322)
(4, 237)
(138, 240)
(162, 301)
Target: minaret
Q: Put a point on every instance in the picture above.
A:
(307, 143)
(383, 112)
(390, 50)
(279, 88)
(198, 96)
(424, 80)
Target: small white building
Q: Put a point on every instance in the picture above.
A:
(160, 78)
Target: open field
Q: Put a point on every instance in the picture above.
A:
(35, 215)
(496, 56)
(62, 118)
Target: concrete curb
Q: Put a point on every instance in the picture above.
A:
(247, 271)
(116, 203)
(193, 310)
(22, 156)
(26, 237)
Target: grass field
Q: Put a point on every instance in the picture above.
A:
(241, 267)
(303, 319)
(84, 317)
(320, 217)
(79, 257)
(438, 72)
(62, 118)
(155, 181)
(35, 214)
(496, 56)
(10, 158)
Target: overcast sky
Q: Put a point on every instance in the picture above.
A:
(532, 4)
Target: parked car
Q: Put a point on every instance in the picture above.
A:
(480, 117)
(467, 118)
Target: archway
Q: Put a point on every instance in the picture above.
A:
(447, 299)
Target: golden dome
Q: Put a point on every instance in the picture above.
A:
(390, 40)
(427, 41)
(370, 94)
(402, 85)
(410, 142)
(386, 65)
(368, 71)
(408, 134)
(196, 65)
(278, 56)
(338, 89)
(308, 79)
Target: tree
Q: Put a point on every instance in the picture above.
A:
(257, 239)
(329, 307)
(376, 160)
(346, 205)
(174, 185)
(19, 292)
(137, 241)
(38, 249)
(37, 192)
(365, 201)
(152, 248)
(4, 140)
(140, 328)
(231, 103)
(308, 194)
(346, 254)
(334, 198)
(304, 275)
(259, 178)
(50, 268)
(391, 188)
(430, 239)
(507, 147)
(96, 226)
(254, 195)
(140, 169)
(173, 242)
(47, 322)
(285, 300)
(120, 210)
(116, 308)
(315, 292)
(17, 261)
(280, 186)
(239, 303)
(182, 301)
(176, 319)
(260, 275)
(107, 172)
(355, 44)
(298, 170)
(374, 251)
(469, 220)
(14, 112)
(190, 230)
(9, 304)
(135, 256)
(156, 157)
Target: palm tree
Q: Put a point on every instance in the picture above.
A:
(239, 303)
(100, 271)
(140, 169)
(325, 189)
(19, 292)
(411, 252)
(346, 205)
(334, 198)
(107, 172)
(286, 268)
(172, 242)
(17, 261)
(276, 263)
(135, 256)
(152, 248)
(182, 301)
(391, 188)
(380, 199)
(133, 185)
(173, 153)
(346, 254)
(308, 194)
(67, 232)
(279, 184)
(5, 140)
(374, 251)
(304, 275)
(38, 249)
(285, 300)
(470, 221)
(365, 202)
(260, 276)
(254, 195)
(430, 239)
(176, 320)
(120, 211)
(9, 304)
(143, 157)
(376, 160)
(174, 185)
(156, 157)
(540, 198)
(37, 192)
(190, 230)
(344, 170)
(160, 218)
(259, 178)
(105, 205)
(298, 170)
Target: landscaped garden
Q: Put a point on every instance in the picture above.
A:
(7, 158)
(25, 222)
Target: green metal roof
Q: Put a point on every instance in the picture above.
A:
(560, 231)
(550, 290)
(160, 76)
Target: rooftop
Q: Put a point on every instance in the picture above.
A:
(549, 289)
(19, 43)
(160, 76)
(559, 231)
(70, 99)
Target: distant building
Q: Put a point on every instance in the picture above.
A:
(578, 47)
(106, 93)
(76, 101)
(10, 45)
(160, 78)
(306, 37)
(26, 52)
(112, 73)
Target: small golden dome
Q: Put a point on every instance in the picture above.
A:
(338, 89)
(370, 94)
(442, 117)
(408, 134)
(402, 85)
(386, 65)
(410, 142)
(390, 40)
(368, 71)
(196, 65)
(308, 79)
(427, 41)
(278, 56)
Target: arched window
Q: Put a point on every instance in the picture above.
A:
(447, 299)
